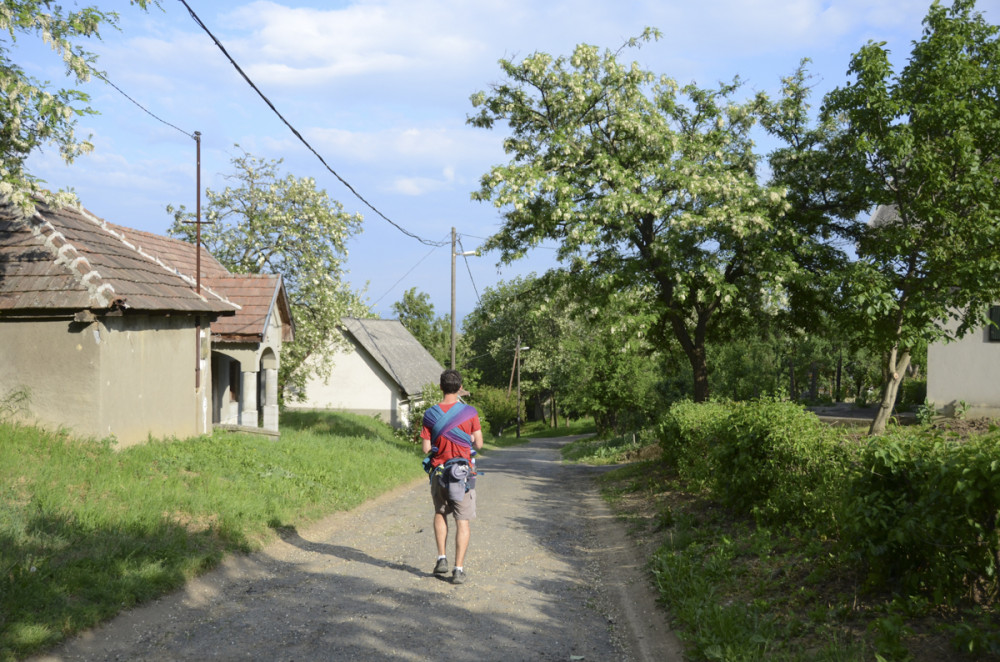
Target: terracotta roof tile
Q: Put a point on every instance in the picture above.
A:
(68, 259)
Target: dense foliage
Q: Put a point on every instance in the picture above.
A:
(416, 312)
(648, 187)
(915, 510)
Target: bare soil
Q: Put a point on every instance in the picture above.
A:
(553, 575)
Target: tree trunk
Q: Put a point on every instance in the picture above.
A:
(814, 381)
(894, 373)
(838, 394)
(699, 366)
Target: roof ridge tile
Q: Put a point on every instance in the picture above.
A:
(102, 293)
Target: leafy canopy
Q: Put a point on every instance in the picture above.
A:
(646, 185)
(32, 113)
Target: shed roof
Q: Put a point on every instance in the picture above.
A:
(396, 350)
(67, 259)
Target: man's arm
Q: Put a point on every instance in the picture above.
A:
(477, 439)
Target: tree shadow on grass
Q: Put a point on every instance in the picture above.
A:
(61, 577)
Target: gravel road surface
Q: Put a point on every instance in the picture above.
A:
(551, 576)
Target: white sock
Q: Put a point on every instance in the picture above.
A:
(458, 568)
(442, 557)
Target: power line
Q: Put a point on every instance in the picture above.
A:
(299, 135)
(143, 108)
(406, 274)
(469, 269)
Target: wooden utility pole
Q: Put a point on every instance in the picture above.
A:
(453, 334)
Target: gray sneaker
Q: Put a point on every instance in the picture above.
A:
(442, 567)
(458, 576)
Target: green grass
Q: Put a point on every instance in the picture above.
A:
(575, 427)
(614, 450)
(86, 531)
(538, 430)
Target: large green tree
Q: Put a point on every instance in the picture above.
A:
(32, 113)
(269, 223)
(923, 145)
(416, 312)
(646, 186)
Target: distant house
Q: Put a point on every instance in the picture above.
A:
(382, 373)
(106, 338)
(246, 347)
(966, 371)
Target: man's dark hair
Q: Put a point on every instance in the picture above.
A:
(451, 381)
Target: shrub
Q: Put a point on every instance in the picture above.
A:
(912, 394)
(495, 407)
(779, 463)
(687, 434)
(922, 513)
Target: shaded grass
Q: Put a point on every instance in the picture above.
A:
(539, 429)
(615, 450)
(86, 531)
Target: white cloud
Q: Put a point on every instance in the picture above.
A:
(298, 46)
(416, 186)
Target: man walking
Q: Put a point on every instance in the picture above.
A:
(452, 433)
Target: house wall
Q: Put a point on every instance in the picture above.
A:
(357, 384)
(58, 361)
(966, 369)
(128, 377)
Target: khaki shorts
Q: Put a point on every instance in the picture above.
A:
(465, 509)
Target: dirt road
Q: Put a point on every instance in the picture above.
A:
(551, 576)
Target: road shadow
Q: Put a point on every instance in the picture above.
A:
(290, 535)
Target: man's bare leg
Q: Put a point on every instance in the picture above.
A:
(441, 532)
(463, 531)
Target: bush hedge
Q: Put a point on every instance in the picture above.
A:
(916, 510)
(779, 463)
(921, 514)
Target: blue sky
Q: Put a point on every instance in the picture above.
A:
(381, 89)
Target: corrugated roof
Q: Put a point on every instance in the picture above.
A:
(396, 351)
(69, 259)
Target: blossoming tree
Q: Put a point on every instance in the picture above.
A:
(646, 185)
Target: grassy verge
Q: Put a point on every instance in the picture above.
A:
(739, 591)
(86, 531)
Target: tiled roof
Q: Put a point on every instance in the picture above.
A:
(258, 295)
(174, 252)
(397, 351)
(68, 259)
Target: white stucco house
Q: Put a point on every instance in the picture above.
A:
(383, 370)
(106, 340)
(245, 346)
(966, 371)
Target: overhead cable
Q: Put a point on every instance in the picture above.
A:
(144, 109)
(299, 135)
